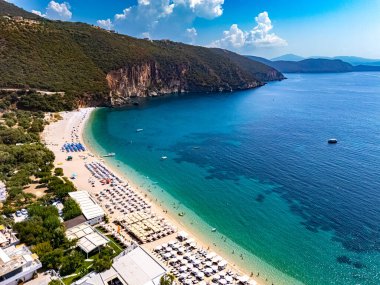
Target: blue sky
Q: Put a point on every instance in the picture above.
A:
(258, 27)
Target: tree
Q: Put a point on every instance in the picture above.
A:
(104, 260)
(55, 282)
(167, 279)
(71, 262)
(71, 209)
(58, 171)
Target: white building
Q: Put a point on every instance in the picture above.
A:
(17, 264)
(91, 210)
(134, 267)
(88, 238)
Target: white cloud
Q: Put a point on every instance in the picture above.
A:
(259, 36)
(191, 34)
(106, 24)
(208, 9)
(37, 13)
(56, 11)
(166, 18)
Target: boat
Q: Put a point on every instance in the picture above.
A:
(213, 230)
(164, 157)
(139, 130)
(111, 154)
(332, 141)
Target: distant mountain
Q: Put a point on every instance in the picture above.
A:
(288, 57)
(354, 60)
(314, 65)
(100, 67)
(260, 59)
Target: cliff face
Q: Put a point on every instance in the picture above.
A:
(142, 81)
(148, 79)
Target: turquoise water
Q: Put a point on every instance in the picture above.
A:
(256, 165)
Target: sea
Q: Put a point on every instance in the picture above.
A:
(255, 165)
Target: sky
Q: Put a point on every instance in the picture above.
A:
(267, 28)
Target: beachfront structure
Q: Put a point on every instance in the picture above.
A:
(88, 238)
(17, 264)
(3, 192)
(93, 213)
(7, 237)
(133, 267)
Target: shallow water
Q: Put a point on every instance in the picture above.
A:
(256, 165)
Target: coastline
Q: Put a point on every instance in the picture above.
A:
(73, 126)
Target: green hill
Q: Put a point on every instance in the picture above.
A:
(90, 62)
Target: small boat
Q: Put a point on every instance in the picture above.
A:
(181, 214)
(111, 154)
(139, 130)
(164, 157)
(196, 147)
(213, 230)
(332, 141)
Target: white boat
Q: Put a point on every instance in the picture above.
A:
(109, 154)
(139, 130)
(164, 157)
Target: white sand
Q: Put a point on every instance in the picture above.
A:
(70, 129)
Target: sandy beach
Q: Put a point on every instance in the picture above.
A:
(70, 129)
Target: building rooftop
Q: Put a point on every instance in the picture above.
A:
(88, 238)
(135, 267)
(7, 237)
(15, 258)
(74, 222)
(89, 207)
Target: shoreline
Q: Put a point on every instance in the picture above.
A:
(72, 127)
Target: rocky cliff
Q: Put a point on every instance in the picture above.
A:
(149, 80)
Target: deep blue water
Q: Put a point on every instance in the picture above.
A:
(256, 165)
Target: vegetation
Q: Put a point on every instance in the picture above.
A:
(71, 209)
(76, 57)
(167, 279)
(103, 261)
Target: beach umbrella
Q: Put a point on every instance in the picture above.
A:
(200, 275)
(208, 263)
(188, 282)
(202, 283)
(222, 264)
(217, 259)
(208, 270)
(214, 268)
(216, 277)
(244, 279)
(182, 235)
(196, 262)
(252, 282)
(171, 242)
(223, 281)
(193, 245)
(228, 278)
(183, 268)
(211, 255)
(167, 255)
(183, 276)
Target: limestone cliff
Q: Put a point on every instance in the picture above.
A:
(149, 80)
